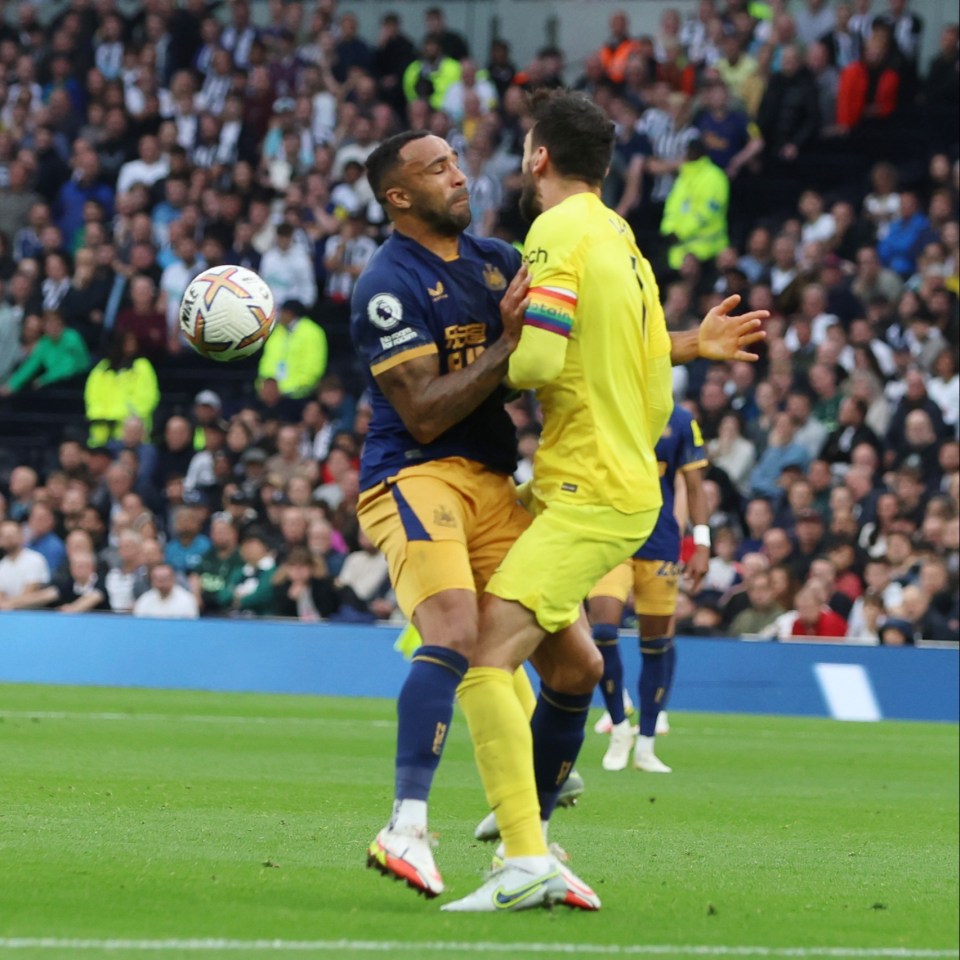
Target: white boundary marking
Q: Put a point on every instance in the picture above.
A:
(390, 946)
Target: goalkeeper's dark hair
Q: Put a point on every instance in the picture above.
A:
(383, 162)
(576, 132)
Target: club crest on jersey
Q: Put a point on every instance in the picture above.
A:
(384, 311)
(493, 278)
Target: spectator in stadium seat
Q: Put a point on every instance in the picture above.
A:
(250, 589)
(869, 87)
(166, 599)
(363, 582)
(175, 451)
(287, 270)
(83, 186)
(303, 587)
(851, 431)
(759, 519)
(763, 610)
(121, 577)
(814, 618)
(925, 622)
(144, 319)
(79, 588)
(17, 200)
(732, 452)
(218, 565)
(809, 536)
(43, 538)
(906, 236)
(782, 451)
(23, 572)
(23, 492)
(789, 115)
(60, 355)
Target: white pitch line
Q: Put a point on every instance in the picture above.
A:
(446, 947)
(181, 718)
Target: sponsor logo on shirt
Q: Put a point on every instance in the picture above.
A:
(437, 293)
(536, 256)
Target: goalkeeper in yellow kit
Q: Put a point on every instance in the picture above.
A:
(596, 349)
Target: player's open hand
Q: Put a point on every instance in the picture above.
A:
(722, 337)
(514, 304)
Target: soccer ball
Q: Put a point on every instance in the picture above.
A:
(227, 313)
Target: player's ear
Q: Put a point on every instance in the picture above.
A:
(539, 160)
(398, 197)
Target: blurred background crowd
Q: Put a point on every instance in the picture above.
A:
(797, 153)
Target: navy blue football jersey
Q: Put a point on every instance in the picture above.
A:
(680, 448)
(410, 303)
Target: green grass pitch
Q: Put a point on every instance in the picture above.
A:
(174, 824)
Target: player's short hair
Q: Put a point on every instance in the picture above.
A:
(384, 161)
(576, 132)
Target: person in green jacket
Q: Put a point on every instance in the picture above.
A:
(295, 354)
(431, 76)
(59, 355)
(121, 385)
(250, 587)
(695, 215)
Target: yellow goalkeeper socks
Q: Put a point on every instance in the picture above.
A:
(524, 691)
(503, 746)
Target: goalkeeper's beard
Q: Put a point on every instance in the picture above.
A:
(530, 205)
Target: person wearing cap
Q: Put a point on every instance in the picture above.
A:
(695, 214)
(295, 354)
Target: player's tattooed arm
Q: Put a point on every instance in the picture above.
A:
(720, 336)
(429, 402)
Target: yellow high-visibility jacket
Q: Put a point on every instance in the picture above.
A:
(296, 357)
(696, 212)
(110, 396)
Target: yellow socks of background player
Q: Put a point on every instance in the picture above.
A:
(503, 746)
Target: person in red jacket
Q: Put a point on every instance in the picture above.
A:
(868, 87)
(814, 617)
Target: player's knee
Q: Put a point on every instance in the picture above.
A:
(576, 674)
(449, 619)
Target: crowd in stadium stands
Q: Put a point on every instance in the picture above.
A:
(799, 154)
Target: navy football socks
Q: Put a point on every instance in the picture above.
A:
(424, 711)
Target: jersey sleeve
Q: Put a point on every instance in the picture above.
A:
(550, 254)
(693, 451)
(388, 324)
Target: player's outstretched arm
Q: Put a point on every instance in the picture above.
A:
(720, 336)
(429, 402)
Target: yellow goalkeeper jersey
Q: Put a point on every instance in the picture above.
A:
(596, 349)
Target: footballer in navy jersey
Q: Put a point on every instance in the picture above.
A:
(679, 449)
(654, 577)
(410, 303)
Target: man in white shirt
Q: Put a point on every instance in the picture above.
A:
(147, 169)
(345, 255)
(23, 572)
(166, 599)
(288, 270)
